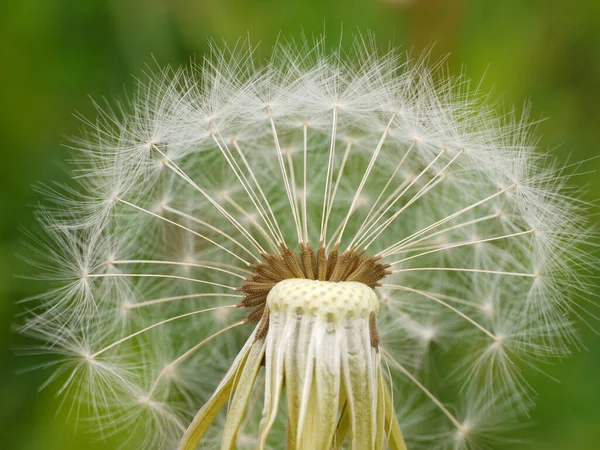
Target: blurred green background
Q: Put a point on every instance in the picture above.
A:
(54, 53)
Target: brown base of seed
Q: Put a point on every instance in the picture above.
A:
(351, 265)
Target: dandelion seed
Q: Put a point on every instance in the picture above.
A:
(268, 254)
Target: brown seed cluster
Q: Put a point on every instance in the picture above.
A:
(351, 265)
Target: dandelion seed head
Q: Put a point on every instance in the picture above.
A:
(351, 222)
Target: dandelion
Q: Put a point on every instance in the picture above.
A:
(322, 250)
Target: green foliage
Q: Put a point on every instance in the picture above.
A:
(55, 52)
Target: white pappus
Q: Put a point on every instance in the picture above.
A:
(326, 249)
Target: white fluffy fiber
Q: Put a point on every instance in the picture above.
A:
(176, 190)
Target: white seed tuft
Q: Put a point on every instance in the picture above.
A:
(179, 194)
